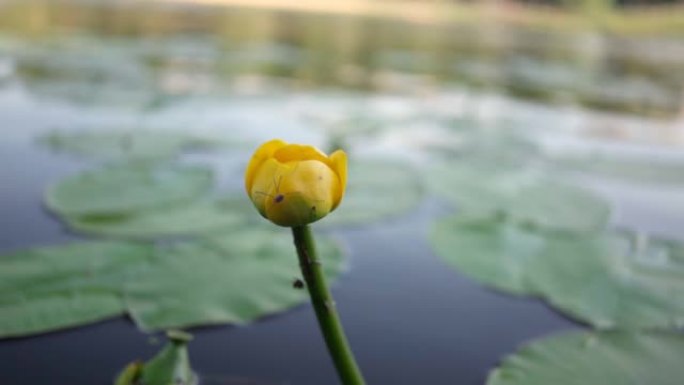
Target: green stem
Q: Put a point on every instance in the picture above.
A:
(324, 305)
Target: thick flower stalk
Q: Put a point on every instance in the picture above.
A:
(294, 185)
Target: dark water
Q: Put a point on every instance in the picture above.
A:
(410, 319)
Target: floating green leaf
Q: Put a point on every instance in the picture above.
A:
(238, 277)
(130, 374)
(56, 287)
(601, 279)
(524, 196)
(494, 254)
(193, 219)
(376, 189)
(480, 189)
(171, 366)
(644, 170)
(612, 284)
(125, 144)
(556, 205)
(127, 188)
(614, 358)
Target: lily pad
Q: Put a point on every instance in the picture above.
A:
(170, 366)
(579, 358)
(236, 278)
(600, 279)
(478, 190)
(495, 254)
(376, 189)
(123, 144)
(525, 196)
(559, 206)
(649, 171)
(610, 283)
(51, 288)
(128, 188)
(193, 219)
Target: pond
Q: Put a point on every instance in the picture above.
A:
(460, 105)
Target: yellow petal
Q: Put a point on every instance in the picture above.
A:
(264, 152)
(338, 159)
(295, 152)
(266, 183)
(303, 195)
(294, 210)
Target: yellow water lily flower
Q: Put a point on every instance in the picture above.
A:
(293, 185)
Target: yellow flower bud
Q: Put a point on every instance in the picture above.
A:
(293, 185)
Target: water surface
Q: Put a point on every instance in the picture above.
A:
(254, 75)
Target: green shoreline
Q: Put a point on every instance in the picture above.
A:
(636, 20)
(661, 20)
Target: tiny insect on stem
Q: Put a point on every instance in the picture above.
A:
(298, 284)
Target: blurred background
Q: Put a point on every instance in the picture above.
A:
(588, 91)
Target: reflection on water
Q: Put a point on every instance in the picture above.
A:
(118, 54)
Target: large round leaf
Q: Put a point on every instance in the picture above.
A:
(632, 169)
(195, 218)
(475, 189)
(238, 277)
(50, 288)
(600, 279)
(496, 255)
(125, 189)
(525, 196)
(118, 144)
(611, 284)
(376, 189)
(615, 358)
(561, 206)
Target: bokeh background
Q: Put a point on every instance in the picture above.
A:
(588, 91)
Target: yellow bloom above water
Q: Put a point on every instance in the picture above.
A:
(293, 185)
